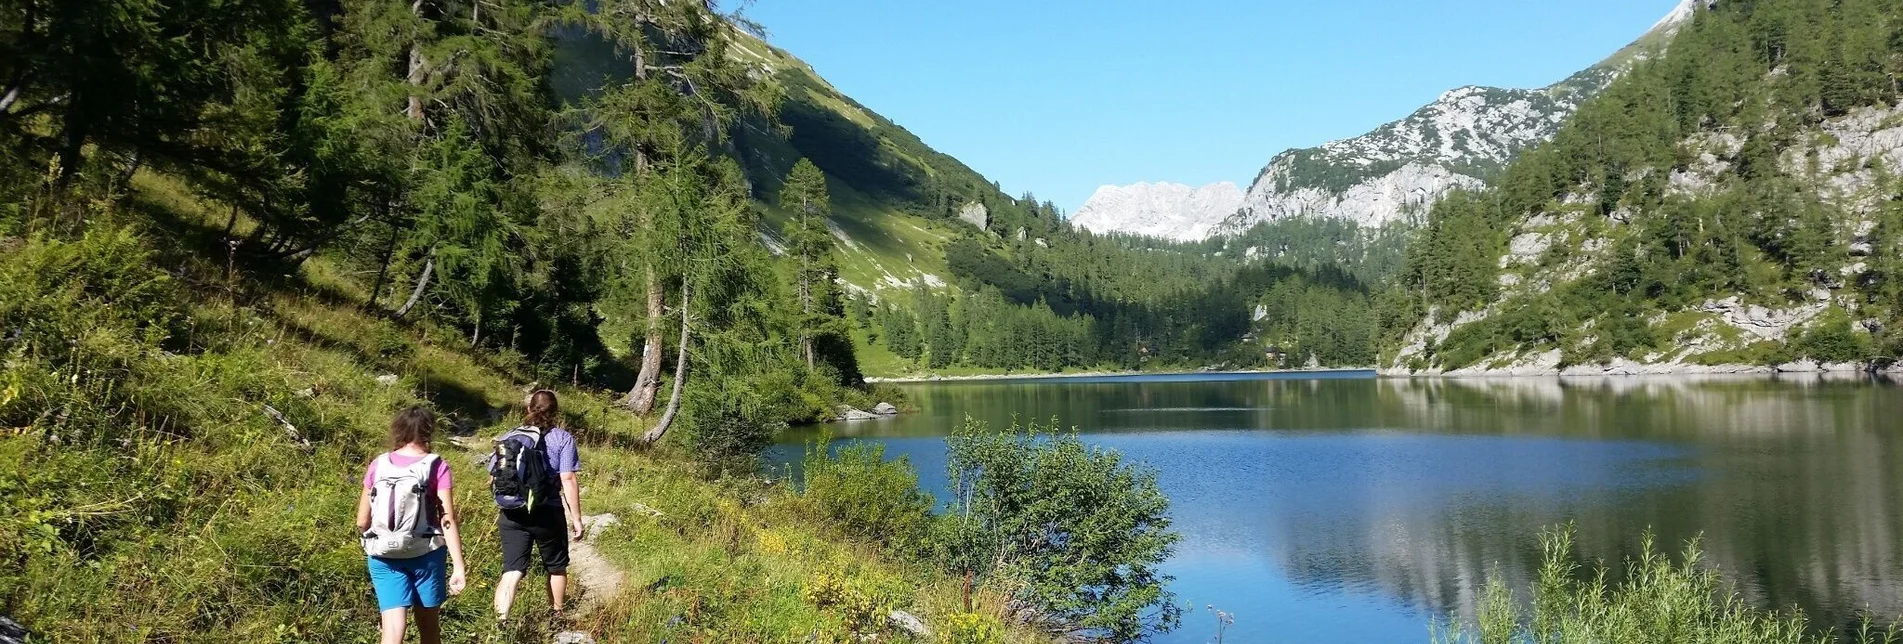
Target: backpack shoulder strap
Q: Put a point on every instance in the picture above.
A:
(427, 465)
(380, 465)
(536, 432)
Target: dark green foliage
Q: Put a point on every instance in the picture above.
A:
(1831, 339)
(729, 420)
(875, 500)
(1324, 317)
(1074, 530)
(1317, 243)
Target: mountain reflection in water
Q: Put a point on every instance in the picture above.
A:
(1359, 509)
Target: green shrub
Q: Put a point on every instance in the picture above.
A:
(859, 606)
(1657, 601)
(1831, 339)
(1067, 528)
(971, 628)
(873, 499)
(728, 421)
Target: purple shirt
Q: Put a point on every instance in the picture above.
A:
(562, 457)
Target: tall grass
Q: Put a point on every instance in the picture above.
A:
(1657, 600)
(152, 495)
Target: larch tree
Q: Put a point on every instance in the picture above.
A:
(809, 243)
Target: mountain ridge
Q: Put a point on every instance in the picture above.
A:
(1460, 140)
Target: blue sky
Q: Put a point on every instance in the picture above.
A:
(1060, 96)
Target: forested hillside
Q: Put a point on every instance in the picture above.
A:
(236, 236)
(1732, 202)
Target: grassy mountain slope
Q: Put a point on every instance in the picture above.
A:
(894, 197)
(184, 436)
(1730, 204)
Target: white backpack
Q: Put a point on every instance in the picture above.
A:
(402, 521)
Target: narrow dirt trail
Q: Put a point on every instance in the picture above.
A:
(599, 580)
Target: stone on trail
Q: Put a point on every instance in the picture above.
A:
(574, 637)
(885, 409)
(910, 623)
(595, 522)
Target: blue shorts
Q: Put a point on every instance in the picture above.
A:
(422, 582)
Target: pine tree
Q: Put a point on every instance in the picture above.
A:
(809, 244)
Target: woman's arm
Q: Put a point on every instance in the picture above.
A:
(363, 511)
(571, 502)
(452, 534)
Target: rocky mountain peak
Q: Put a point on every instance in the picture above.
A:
(1167, 210)
(1391, 173)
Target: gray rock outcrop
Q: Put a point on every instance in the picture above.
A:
(976, 214)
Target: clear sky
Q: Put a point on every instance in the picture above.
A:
(1058, 97)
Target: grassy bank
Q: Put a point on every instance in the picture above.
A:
(184, 436)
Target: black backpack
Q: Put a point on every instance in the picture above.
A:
(518, 469)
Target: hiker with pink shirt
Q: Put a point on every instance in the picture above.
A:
(407, 521)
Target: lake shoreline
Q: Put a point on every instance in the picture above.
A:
(1112, 374)
(1628, 370)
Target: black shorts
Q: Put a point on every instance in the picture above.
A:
(546, 528)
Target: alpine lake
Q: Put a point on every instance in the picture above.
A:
(1338, 507)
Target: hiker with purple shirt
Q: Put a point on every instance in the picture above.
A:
(540, 502)
(406, 518)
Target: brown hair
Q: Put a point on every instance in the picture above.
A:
(413, 425)
(543, 410)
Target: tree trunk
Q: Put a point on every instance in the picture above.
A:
(416, 72)
(640, 148)
(647, 384)
(74, 144)
(13, 94)
(422, 283)
(806, 307)
(231, 224)
(416, 82)
(680, 376)
(383, 269)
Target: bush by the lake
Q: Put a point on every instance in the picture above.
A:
(874, 499)
(1658, 600)
(1074, 532)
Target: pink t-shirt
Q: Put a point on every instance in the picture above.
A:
(440, 480)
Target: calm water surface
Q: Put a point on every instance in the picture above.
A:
(1358, 510)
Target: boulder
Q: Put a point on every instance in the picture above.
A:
(11, 632)
(976, 214)
(1801, 366)
(910, 623)
(599, 521)
(885, 409)
(855, 414)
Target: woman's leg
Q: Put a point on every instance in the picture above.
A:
(505, 592)
(428, 629)
(393, 625)
(515, 561)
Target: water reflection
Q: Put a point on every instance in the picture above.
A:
(1343, 510)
